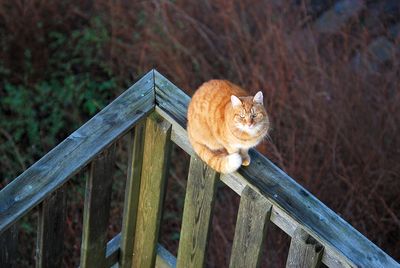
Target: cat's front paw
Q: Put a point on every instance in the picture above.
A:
(233, 163)
(246, 161)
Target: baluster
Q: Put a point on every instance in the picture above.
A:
(251, 226)
(152, 189)
(8, 248)
(304, 251)
(197, 214)
(97, 210)
(51, 227)
(132, 195)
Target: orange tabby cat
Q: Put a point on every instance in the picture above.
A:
(224, 122)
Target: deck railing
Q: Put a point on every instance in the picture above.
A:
(153, 111)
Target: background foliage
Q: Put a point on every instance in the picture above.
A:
(333, 97)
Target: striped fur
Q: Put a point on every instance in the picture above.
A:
(224, 122)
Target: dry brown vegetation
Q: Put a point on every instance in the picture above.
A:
(335, 130)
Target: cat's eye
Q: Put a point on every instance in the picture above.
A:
(253, 116)
(242, 115)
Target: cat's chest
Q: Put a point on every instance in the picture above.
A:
(241, 146)
(245, 144)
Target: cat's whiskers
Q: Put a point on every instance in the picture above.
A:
(267, 137)
(238, 121)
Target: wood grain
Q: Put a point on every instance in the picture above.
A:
(9, 247)
(132, 195)
(76, 151)
(295, 206)
(155, 162)
(251, 226)
(97, 209)
(164, 258)
(304, 251)
(197, 214)
(51, 227)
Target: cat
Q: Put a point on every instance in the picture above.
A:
(224, 122)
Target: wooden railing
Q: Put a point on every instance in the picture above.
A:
(153, 111)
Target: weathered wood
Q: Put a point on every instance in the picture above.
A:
(179, 137)
(304, 251)
(97, 209)
(237, 182)
(113, 251)
(132, 195)
(197, 214)
(75, 152)
(164, 258)
(292, 204)
(9, 246)
(51, 227)
(251, 226)
(344, 246)
(171, 99)
(152, 185)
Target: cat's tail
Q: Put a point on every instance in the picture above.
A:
(219, 161)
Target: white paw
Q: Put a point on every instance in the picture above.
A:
(234, 161)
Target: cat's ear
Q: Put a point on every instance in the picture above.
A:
(258, 98)
(235, 101)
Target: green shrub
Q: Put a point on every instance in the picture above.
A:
(39, 110)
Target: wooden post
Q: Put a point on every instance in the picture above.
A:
(251, 226)
(197, 214)
(155, 161)
(97, 209)
(304, 251)
(131, 195)
(8, 248)
(51, 226)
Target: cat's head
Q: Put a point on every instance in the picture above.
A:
(249, 113)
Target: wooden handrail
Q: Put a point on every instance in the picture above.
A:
(293, 206)
(267, 194)
(76, 151)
